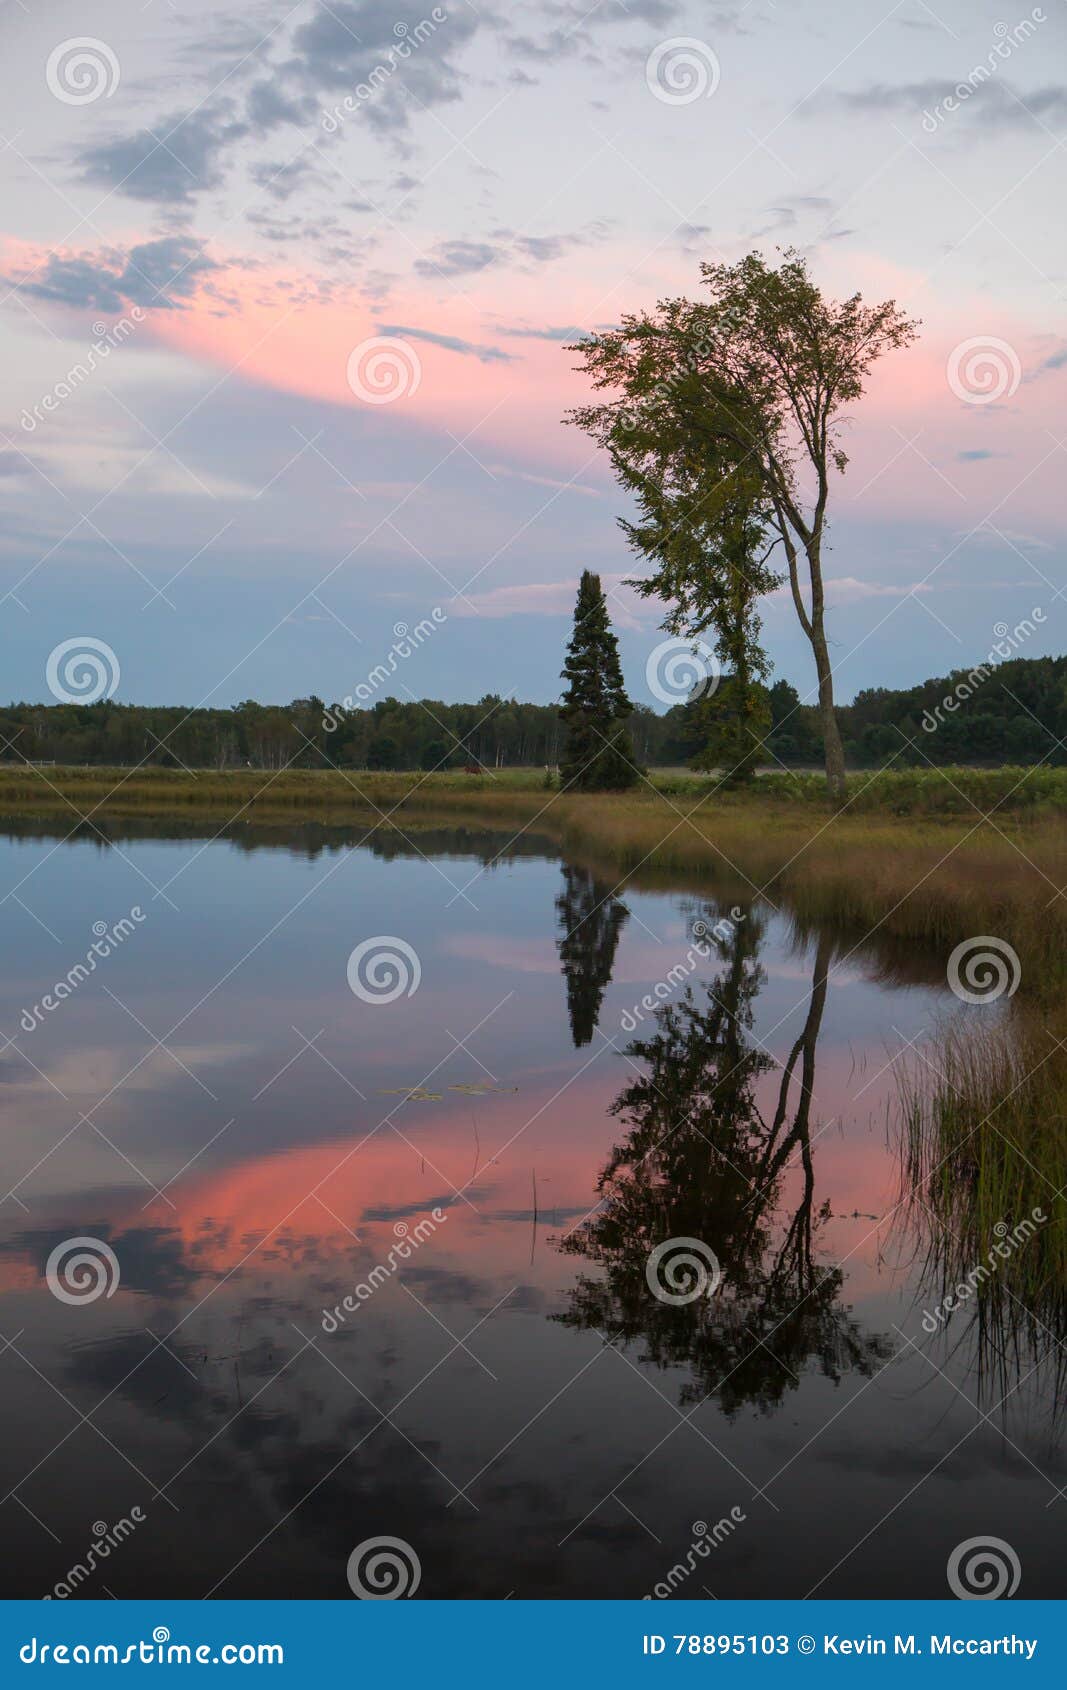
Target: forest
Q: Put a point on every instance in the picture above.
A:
(1013, 713)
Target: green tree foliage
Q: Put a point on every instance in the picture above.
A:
(739, 396)
(1015, 713)
(599, 754)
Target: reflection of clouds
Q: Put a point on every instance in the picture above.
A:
(96, 1069)
(151, 1259)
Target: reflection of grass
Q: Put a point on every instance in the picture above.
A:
(928, 878)
(985, 1149)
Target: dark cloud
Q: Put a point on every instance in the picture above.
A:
(383, 55)
(268, 107)
(996, 101)
(550, 333)
(160, 274)
(543, 249)
(177, 159)
(451, 343)
(1055, 361)
(458, 258)
(282, 179)
(976, 457)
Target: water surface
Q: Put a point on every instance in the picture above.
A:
(576, 1078)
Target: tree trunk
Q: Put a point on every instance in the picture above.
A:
(835, 754)
(831, 733)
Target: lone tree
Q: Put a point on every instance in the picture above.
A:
(752, 381)
(599, 756)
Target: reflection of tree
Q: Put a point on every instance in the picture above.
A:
(701, 1161)
(592, 920)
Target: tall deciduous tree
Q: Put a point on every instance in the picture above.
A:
(752, 380)
(599, 756)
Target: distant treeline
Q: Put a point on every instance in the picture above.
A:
(1011, 713)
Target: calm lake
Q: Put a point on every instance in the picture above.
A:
(249, 1125)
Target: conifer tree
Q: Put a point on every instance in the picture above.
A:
(599, 754)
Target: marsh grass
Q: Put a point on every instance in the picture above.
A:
(984, 1152)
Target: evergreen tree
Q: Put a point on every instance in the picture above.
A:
(599, 756)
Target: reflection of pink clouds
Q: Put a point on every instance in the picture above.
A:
(309, 1202)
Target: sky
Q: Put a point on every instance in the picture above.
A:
(286, 292)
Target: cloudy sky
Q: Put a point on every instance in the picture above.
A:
(286, 290)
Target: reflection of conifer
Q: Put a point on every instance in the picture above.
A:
(700, 1161)
(592, 920)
